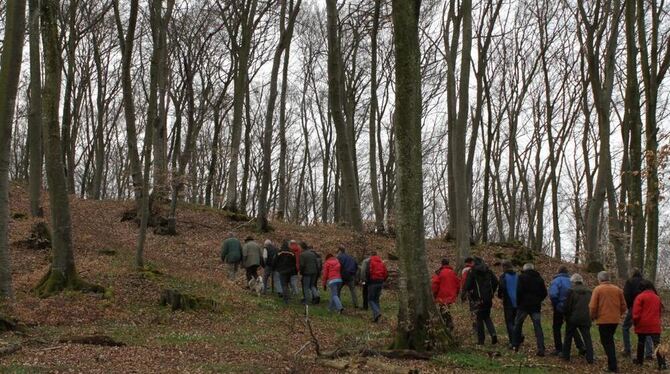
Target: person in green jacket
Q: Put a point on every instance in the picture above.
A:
(231, 254)
(251, 257)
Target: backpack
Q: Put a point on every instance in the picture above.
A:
(511, 281)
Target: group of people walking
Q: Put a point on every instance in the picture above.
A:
(573, 303)
(283, 267)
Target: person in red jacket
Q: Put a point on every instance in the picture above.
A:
(377, 275)
(332, 279)
(647, 309)
(445, 284)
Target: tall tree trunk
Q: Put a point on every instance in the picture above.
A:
(420, 326)
(68, 115)
(126, 44)
(35, 117)
(286, 33)
(344, 143)
(282, 204)
(62, 274)
(374, 107)
(10, 68)
(633, 123)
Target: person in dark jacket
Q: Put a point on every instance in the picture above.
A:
(630, 291)
(481, 286)
(507, 293)
(558, 292)
(269, 274)
(309, 269)
(363, 279)
(348, 269)
(231, 254)
(530, 292)
(647, 310)
(285, 266)
(577, 319)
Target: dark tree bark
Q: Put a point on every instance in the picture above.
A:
(420, 326)
(10, 68)
(35, 117)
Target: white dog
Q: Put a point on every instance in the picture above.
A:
(256, 285)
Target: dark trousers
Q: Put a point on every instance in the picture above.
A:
(625, 334)
(607, 340)
(536, 318)
(557, 325)
(285, 279)
(510, 316)
(365, 296)
(252, 272)
(641, 343)
(483, 319)
(582, 335)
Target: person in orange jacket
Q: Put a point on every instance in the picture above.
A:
(606, 308)
(647, 309)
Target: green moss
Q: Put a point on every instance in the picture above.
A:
(55, 282)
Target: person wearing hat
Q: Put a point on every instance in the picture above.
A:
(251, 257)
(577, 319)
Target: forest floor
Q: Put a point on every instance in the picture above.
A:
(247, 333)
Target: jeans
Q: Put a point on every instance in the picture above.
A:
(285, 279)
(374, 293)
(294, 285)
(537, 326)
(583, 335)
(483, 317)
(232, 270)
(335, 303)
(642, 340)
(252, 272)
(625, 332)
(351, 283)
(276, 280)
(607, 340)
(510, 316)
(309, 291)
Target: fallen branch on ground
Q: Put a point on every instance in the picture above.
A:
(101, 340)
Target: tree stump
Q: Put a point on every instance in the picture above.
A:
(40, 237)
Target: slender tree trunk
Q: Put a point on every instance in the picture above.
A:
(10, 68)
(420, 326)
(126, 43)
(35, 117)
(374, 107)
(344, 144)
(282, 186)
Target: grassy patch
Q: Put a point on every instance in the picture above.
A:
(176, 338)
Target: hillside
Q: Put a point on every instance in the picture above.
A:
(245, 334)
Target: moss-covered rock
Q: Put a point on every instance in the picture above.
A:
(181, 301)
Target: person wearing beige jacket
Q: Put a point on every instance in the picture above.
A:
(607, 306)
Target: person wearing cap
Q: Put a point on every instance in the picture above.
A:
(606, 308)
(577, 319)
(251, 257)
(231, 254)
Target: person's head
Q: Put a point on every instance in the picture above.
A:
(507, 265)
(562, 269)
(329, 255)
(284, 245)
(646, 285)
(445, 262)
(576, 279)
(469, 261)
(603, 276)
(249, 239)
(478, 261)
(268, 242)
(528, 266)
(373, 253)
(635, 273)
(341, 249)
(231, 234)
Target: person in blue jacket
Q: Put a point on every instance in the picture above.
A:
(558, 294)
(507, 293)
